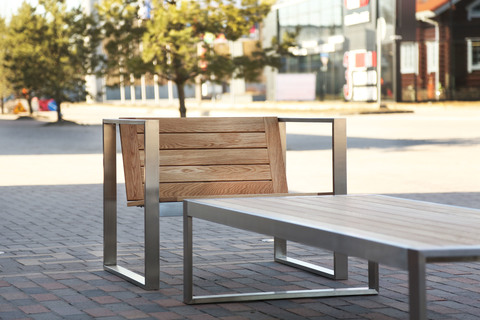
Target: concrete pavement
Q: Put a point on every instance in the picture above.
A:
(51, 222)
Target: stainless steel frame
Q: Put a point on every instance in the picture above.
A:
(411, 254)
(263, 226)
(339, 162)
(150, 280)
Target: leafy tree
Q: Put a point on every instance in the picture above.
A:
(4, 83)
(178, 28)
(52, 52)
(123, 31)
(24, 58)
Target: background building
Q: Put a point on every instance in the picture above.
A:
(444, 61)
(336, 56)
(417, 50)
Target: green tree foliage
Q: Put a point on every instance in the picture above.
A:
(123, 31)
(52, 50)
(175, 41)
(4, 83)
(24, 58)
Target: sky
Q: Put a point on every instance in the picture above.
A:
(9, 7)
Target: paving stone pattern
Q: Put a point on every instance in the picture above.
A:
(51, 243)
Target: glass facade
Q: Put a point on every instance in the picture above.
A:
(318, 24)
(332, 35)
(386, 10)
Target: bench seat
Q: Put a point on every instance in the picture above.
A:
(168, 160)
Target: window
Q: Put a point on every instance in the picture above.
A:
(473, 10)
(473, 54)
(432, 56)
(409, 57)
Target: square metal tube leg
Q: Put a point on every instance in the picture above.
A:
(187, 256)
(339, 161)
(417, 286)
(109, 195)
(150, 280)
(340, 262)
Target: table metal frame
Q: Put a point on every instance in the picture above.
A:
(283, 230)
(399, 255)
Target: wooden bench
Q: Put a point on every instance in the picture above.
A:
(172, 159)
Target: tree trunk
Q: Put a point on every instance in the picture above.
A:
(29, 100)
(181, 99)
(1, 102)
(59, 111)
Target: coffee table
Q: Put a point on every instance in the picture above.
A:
(400, 233)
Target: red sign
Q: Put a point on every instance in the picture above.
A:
(355, 4)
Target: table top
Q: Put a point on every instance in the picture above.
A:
(393, 221)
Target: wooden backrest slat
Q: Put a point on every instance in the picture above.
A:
(209, 156)
(193, 125)
(214, 173)
(217, 140)
(131, 162)
(275, 154)
(174, 191)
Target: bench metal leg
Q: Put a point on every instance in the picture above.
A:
(150, 281)
(417, 286)
(189, 298)
(340, 262)
(109, 195)
(187, 256)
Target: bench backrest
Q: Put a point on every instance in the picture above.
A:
(208, 156)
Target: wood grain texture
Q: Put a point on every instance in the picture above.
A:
(276, 155)
(208, 124)
(229, 140)
(172, 191)
(131, 162)
(385, 219)
(209, 156)
(214, 173)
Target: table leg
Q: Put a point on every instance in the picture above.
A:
(417, 285)
(187, 256)
(373, 278)
(189, 298)
(340, 262)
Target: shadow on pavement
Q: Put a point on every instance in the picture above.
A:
(29, 137)
(303, 142)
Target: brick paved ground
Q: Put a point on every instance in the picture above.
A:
(51, 259)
